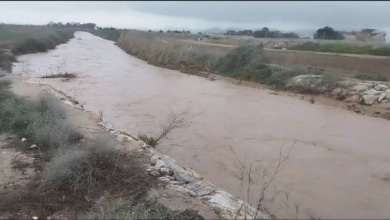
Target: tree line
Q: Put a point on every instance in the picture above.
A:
(263, 33)
(72, 25)
(325, 33)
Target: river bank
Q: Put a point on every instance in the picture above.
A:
(253, 123)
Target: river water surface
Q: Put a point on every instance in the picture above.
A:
(339, 161)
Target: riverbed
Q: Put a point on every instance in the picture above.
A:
(338, 162)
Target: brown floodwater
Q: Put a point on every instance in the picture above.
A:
(338, 164)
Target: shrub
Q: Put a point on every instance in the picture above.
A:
(6, 61)
(95, 166)
(41, 122)
(241, 58)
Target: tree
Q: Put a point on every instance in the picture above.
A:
(245, 33)
(327, 33)
(230, 32)
(263, 33)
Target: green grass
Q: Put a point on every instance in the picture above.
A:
(6, 35)
(342, 48)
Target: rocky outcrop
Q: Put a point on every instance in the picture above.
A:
(349, 90)
(368, 93)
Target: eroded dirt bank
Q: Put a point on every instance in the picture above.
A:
(337, 165)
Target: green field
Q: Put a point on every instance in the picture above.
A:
(342, 48)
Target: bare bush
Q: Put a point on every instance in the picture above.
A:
(174, 121)
(256, 180)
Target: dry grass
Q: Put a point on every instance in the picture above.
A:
(23, 39)
(167, 52)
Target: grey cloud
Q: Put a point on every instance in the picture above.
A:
(314, 14)
(287, 15)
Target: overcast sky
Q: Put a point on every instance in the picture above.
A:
(288, 15)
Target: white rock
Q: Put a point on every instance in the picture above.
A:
(371, 92)
(155, 158)
(381, 87)
(33, 146)
(388, 94)
(171, 163)
(200, 188)
(184, 177)
(164, 171)
(35, 217)
(24, 139)
(176, 182)
(381, 97)
(369, 99)
(164, 179)
(159, 164)
(360, 87)
(153, 172)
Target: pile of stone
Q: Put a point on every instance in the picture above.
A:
(349, 90)
(367, 93)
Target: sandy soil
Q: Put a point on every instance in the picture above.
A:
(12, 173)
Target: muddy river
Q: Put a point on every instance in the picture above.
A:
(338, 162)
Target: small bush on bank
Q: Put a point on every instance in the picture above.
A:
(249, 62)
(41, 122)
(94, 166)
(6, 61)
